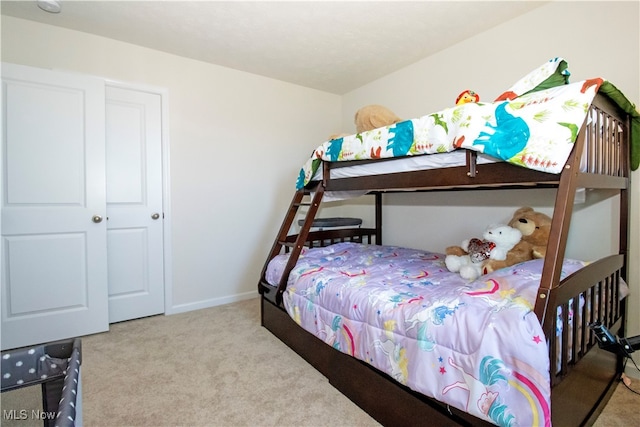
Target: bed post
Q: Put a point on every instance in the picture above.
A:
(624, 219)
(625, 204)
(378, 215)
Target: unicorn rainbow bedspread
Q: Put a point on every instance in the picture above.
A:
(476, 346)
(536, 130)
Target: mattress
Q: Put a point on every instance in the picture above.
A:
(477, 346)
(396, 165)
(420, 162)
(404, 164)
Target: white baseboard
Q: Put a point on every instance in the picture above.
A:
(183, 308)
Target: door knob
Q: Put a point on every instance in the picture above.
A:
(96, 218)
(155, 216)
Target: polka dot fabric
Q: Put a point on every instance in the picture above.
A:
(29, 366)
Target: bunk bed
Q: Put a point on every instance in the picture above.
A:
(567, 296)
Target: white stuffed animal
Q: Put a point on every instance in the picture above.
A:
(498, 240)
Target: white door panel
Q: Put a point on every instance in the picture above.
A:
(55, 260)
(128, 274)
(54, 265)
(134, 203)
(32, 127)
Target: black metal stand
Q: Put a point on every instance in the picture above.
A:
(609, 342)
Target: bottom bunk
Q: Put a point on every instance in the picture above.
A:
(579, 373)
(578, 400)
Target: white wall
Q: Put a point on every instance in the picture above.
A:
(230, 181)
(598, 39)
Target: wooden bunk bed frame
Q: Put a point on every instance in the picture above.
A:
(587, 374)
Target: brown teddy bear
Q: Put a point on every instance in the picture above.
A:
(535, 228)
(374, 116)
(371, 117)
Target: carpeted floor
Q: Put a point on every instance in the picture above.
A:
(217, 367)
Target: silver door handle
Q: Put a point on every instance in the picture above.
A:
(155, 216)
(96, 218)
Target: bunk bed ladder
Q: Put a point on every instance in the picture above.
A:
(294, 248)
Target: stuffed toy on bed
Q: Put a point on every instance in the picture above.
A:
(371, 117)
(374, 116)
(535, 228)
(496, 242)
(466, 97)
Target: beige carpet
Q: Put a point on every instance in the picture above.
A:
(218, 367)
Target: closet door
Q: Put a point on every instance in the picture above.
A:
(54, 247)
(134, 203)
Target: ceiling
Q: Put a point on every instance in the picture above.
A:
(333, 46)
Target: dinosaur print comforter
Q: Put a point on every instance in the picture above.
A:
(536, 130)
(476, 346)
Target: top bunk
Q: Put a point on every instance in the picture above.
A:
(538, 129)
